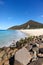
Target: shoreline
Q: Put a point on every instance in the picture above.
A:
(33, 32)
(7, 40)
(22, 46)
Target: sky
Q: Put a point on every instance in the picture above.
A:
(17, 12)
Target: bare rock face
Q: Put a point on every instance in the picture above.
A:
(29, 47)
(28, 26)
(23, 56)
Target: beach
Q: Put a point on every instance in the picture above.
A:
(33, 32)
(27, 49)
(8, 36)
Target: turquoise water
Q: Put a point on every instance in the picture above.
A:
(7, 36)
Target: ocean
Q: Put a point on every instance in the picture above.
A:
(7, 36)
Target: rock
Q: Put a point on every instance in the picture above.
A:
(6, 62)
(23, 56)
(41, 50)
(28, 47)
(40, 55)
(41, 45)
(34, 56)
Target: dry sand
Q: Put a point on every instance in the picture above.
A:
(33, 32)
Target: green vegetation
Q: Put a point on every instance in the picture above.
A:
(23, 42)
(29, 25)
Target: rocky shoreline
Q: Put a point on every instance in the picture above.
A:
(31, 46)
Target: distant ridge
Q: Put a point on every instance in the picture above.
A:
(31, 24)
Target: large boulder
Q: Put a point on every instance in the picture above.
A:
(23, 56)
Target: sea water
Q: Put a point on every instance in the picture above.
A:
(7, 36)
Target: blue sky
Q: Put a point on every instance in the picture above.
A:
(16, 12)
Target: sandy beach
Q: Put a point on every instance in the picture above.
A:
(33, 32)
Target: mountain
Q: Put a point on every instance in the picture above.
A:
(28, 25)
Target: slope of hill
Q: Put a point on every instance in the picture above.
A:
(29, 25)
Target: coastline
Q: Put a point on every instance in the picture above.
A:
(8, 36)
(14, 52)
(33, 32)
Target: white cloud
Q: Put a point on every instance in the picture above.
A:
(1, 2)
